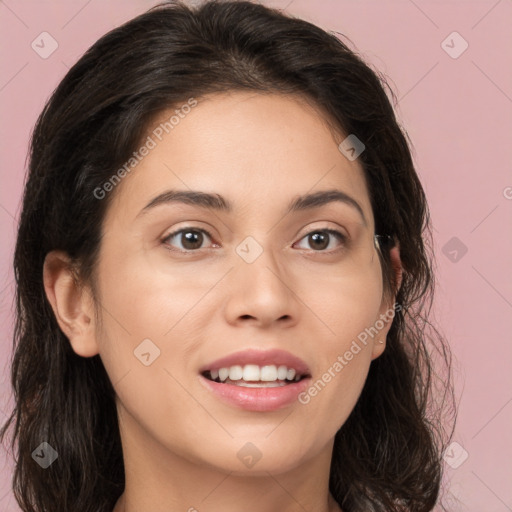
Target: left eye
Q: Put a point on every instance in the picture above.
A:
(193, 238)
(321, 238)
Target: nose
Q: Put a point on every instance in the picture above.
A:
(262, 293)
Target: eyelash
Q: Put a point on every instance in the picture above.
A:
(340, 236)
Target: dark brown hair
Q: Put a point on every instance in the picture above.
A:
(387, 456)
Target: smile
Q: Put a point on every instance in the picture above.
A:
(252, 375)
(257, 380)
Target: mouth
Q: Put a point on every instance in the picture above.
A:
(257, 380)
(255, 376)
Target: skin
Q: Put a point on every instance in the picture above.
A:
(180, 442)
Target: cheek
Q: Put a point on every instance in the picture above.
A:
(346, 304)
(152, 321)
(144, 346)
(349, 307)
(338, 381)
(141, 301)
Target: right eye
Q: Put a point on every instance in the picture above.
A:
(190, 238)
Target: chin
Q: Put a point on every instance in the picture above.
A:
(258, 457)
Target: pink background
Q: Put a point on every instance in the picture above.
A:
(458, 113)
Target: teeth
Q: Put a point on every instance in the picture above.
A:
(254, 373)
(274, 384)
(282, 372)
(236, 372)
(268, 373)
(251, 372)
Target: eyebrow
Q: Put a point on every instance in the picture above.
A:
(221, 204)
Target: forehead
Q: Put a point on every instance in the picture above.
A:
(257, 150)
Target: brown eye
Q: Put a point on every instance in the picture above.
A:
(190, 239)
(320, 239)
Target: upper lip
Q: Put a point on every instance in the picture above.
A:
(275, 357)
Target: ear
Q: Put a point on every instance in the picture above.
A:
(387, 309)
(71, 302)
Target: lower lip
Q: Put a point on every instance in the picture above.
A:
(257, 399)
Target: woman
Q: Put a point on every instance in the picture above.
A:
(223, 281)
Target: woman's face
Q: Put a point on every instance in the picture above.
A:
(245, 280)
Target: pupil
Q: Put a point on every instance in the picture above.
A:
(319, 237)
(192, 237)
